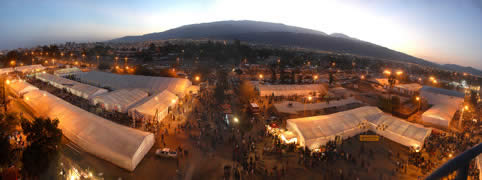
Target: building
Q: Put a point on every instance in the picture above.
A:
(444, 105)
(315, 131)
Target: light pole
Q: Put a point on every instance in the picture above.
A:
(97, 60)
(116, 59)
(419, 103)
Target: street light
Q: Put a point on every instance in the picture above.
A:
(362, 77)
(7, 81)
(315, 77)
(197, 78)
(261, 76)
(399, 73)
(173, 101)
(466, 107)
(387, 72)
(235, 119)
(310, 98)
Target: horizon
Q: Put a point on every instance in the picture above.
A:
(444, 32)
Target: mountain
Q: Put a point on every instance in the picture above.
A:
(468, 69)
(340, 35)
(278, 35)
(219, 28)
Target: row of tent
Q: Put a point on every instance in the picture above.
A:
(144, 107)
(23, 69)
(118, 144)
(316, 131)
(79, 89)
(151, 84)
(121, 145)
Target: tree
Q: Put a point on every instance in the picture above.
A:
(43, 137)
(331, 79)
(6, 149)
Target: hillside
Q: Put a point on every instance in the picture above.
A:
(283, 35)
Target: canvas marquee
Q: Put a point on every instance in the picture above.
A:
(67, 71)
(159, 103)
(20, 87)
(119, 100)
(445, 104)
(121, 145)
(290, 90)
(30, 68)
(79, 89)
(318, 130)
(151, 84)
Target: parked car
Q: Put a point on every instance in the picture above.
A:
(166, 152)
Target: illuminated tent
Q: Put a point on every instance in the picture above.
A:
(20, 87)
(318, 130)
(119, 100)
(67, 71)
(30, 68)
(159, 103)
(290, 90)
(121, 145)
(178, 86)
(6, 70)
(79, 89)
(445, 104)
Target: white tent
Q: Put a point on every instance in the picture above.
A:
(30, 68)
(121, 145)
(318, 130)
(21, 87)
(6, 70)
(289, 90)
(86, 91)
(150, 84)
(443, 109)
(79, 89)
(120, 100)
(67, 71)
(147, 108)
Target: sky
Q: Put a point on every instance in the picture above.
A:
(442, 31)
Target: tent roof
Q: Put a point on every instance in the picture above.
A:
(333, 124)
(442, 91)
(123, 97)
(73, 85)
(410, 87)
(159, 101)
(19, 85)
(113, 142)
(149, 83)
(35, 67)
(67, 70)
